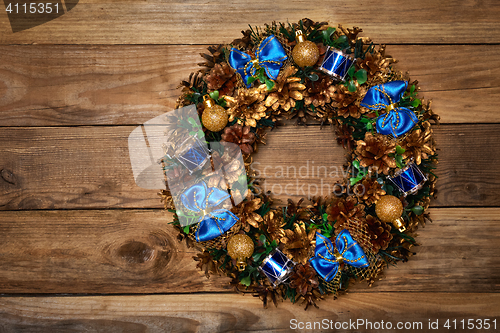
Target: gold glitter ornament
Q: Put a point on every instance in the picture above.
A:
(214, 116)
(389, 210)
(240, 247)
(305, 53)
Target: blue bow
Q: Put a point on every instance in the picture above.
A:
(398, 120)
(327, 259)
(200, 197)
(270, 55)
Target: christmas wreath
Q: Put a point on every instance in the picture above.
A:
(307, 71)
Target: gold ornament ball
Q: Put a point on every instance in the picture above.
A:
(305, 53)
(240, 247)
(214, 116)
(389, 208)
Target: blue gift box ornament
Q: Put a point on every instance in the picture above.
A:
(409, 180)
(277, 267)
(193, 154)
(270, 55)
(328, 257)
(336, 63)
(397, 120)
(200, 198)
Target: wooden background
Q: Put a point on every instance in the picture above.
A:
(83, 249)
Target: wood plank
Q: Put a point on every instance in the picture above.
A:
(89, 167)
(234, 313)
(130, 84)
(136, 251)
(97, 252)
(199, 22)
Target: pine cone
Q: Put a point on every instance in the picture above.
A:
(320, 92)
(344, 136)
(166, 198)
(374, 151)
(341, 210)
(369, 190)
(380, 233)
(244, 42)
(419, 144)
(304, 279)
(221, 77)
(323, 114)
(193, 83)
(206, 263)
(216, 56)
(246, 211)
(376, 63)
(348, 102)
(275, 223)
(286, 91)
(428, 113)
(247, 107)
(240, 135)
(298, 242)
(300, 115)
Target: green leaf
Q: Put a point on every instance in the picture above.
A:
(351, 86)
(246, 281)
(214, 95)
(325, 217)
(400, 150)
(250, 79)
(399, 161)
(355, 163)
(418, 210)
(262, 238)
(341, 42)
(353, 180)
(416, 102)
(350, 72)
(200, 134)
(412, 89)
(327, 34)
(269, 84)
(361, 76)
(256, 256)
(186, 230)
(369, 126)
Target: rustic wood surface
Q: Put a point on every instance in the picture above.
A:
(235, 313)
(136, 251)
(130, 84)
(83, 249)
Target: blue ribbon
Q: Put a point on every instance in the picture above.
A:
(199, 198)
(327, 258)
(398, 120)
(270, 55)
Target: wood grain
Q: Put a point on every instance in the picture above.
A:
(199, 22)
(89, 167)
(234, 313)
(130, 251)
(97, 252)
(130, 84)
